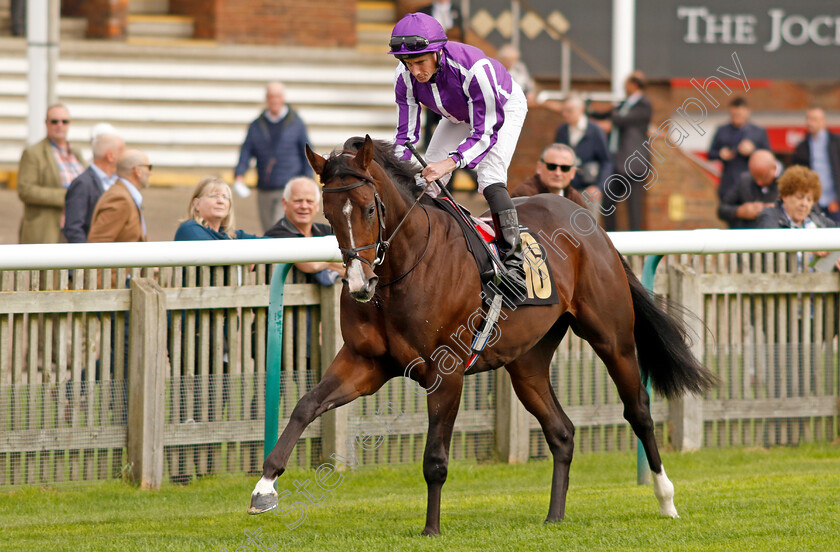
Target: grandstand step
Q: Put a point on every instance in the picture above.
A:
(160, 26)
(376, 12)
(309, 95)
(120, 114)
(194, 136)
(372, 34)
(148, 7)
(189, 107)
(288, 73)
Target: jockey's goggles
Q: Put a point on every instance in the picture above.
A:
(554, 166)
(413, 43)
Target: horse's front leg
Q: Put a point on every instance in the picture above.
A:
(443, 405)
(348, 377)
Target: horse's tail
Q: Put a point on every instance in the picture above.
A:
(662, 343)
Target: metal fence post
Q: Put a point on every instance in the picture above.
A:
(642, 466)
(274, 355)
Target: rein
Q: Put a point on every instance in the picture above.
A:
(381, 245)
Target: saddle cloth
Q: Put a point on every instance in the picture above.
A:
(538, 277)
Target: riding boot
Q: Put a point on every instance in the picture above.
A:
(508, 241)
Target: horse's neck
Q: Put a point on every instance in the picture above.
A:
(411, 226)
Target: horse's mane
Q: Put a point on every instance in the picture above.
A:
(401, 172)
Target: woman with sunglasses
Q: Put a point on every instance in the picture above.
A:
(483, 111)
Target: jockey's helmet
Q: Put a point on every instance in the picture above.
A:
(416, 34)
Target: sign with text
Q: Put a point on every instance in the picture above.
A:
(775, 39)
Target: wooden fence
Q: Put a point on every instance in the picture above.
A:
(192, 343)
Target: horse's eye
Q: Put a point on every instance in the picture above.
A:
(370, 211)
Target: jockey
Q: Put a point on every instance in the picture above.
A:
(483, 111)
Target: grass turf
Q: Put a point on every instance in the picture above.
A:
(728, 499)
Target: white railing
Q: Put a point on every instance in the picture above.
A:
(293, 250)
(180, 253)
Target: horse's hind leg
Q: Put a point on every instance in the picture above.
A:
(611, 336)
(531, 380)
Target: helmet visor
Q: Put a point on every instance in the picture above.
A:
(413, 43)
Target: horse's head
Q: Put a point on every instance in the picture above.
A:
(352, 205)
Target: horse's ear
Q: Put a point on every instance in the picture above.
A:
(315, 160)
(365, 154)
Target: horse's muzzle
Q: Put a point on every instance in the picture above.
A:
(364, 293)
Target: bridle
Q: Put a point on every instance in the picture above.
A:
(381, 246)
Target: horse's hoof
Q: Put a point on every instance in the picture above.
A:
(261, 503)
(668, 511)
(430, 532)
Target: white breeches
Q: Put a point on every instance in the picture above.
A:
(493, 168)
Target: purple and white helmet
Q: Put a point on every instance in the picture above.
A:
(416, 34)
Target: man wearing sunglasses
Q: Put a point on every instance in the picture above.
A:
(555, 171)
(483, 111)
(45, 172)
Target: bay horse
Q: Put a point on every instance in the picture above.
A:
(430, 286)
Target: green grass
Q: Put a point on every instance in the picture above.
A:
(776, 500)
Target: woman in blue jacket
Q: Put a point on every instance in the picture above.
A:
(209, 217)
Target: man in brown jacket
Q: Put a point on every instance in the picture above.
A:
(117, 216)
(555, 171)
(46, 170)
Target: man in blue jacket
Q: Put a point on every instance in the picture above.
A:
(590, 145)
(88, 187)
(276, 139)
(734, 142)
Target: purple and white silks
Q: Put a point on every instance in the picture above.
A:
(468, 88)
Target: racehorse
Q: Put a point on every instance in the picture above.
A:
(410, 283)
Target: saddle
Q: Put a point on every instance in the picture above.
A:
(495, 293)
(538, 277)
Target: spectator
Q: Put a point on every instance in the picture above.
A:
(46, 170)
(734, 142)
(276, 139)
(590, 145)
(630, 120)
(799, 191)
(118, 216)
(756, 190)
(301, 203)
(555, 172)
(511, 59)
(88, 187)
(820, 151)
(210, 214)
(101, 128)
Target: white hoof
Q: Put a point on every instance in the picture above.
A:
(664, 491)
